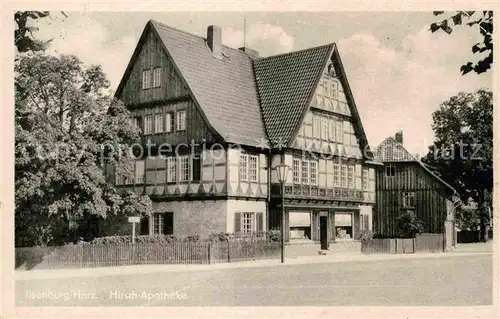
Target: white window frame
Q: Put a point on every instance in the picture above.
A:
(297, 177)
(343, 176)
(313, 172)
(365, 179)
(350, 177)
(171, 169)
(406, 199)
(159, 121)
(243, 167)
(336, 175)
(316, 127)
(160, 224)
(324, 128)
(168, 122)
(339, 131)
(148, 124)
(139, 171)
(305, 172)
(388, 170)
(253, 168)
(334, 92)
(184, 175)
(157, 77)
(248, 222)
(146, 79)
(181, 120)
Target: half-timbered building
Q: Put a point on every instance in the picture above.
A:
(220, 119)
(405, 183)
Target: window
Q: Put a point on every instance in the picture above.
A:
(243, 167)
(343, 176)
(390, 170)
(313, 166)
(172, 169)
(139, 172)
(339, 132)
(334, 90)
(326, 87)
(252, 169)
(181, 120)
(332, 130)
(169, 122)
(247, 222)
(156, 77)
(336, 175)
(324, 128)
(183, 168)
(119, 178)
(305, 172)
(365, 179)
(148, 124)
(146, 79)
(350, 176)
(158, 225)
(409, 199)
(296, 171)
(316, 127)
(158, 123)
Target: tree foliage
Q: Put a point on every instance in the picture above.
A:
(409, 224)
(483, 21)
(24, 33)
(462, 152)
(64, 114)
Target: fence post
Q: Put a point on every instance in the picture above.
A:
(228, 252)
(209, 251)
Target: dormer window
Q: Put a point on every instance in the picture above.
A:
(146, 79)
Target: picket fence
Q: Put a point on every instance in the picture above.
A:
(421, 243)
(85, 256)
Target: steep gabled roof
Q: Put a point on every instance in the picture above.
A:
(400, 154)
(224, 89)
(285, 84)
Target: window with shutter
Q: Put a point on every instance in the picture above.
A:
(168, 223)
(237, 222)
(144, 228)
(169, 122)
(196, 163)
(260, 222)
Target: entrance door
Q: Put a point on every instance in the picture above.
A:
(323, 231)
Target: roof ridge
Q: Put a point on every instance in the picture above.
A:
(297, 51)
(195, 35)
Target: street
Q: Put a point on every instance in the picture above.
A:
(444, 281)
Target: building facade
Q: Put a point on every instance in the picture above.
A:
(215, 121)
(405, 183)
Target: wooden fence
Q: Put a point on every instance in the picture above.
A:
(85, 256)
(421, 243)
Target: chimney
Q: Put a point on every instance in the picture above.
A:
(214, 40)
(251, 52)
(399, 137)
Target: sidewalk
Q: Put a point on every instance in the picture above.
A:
(141, 269)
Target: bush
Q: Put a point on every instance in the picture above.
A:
(271, 235)
(366, 235)
(143, 239)
(409, 225)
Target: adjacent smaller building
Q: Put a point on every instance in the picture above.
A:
(405, 183)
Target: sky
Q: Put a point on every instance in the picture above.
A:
(398, 70)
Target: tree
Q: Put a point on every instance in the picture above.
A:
(409, 224)
(24, 38)
(483, 21)
(462, 152)
(64, 114)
